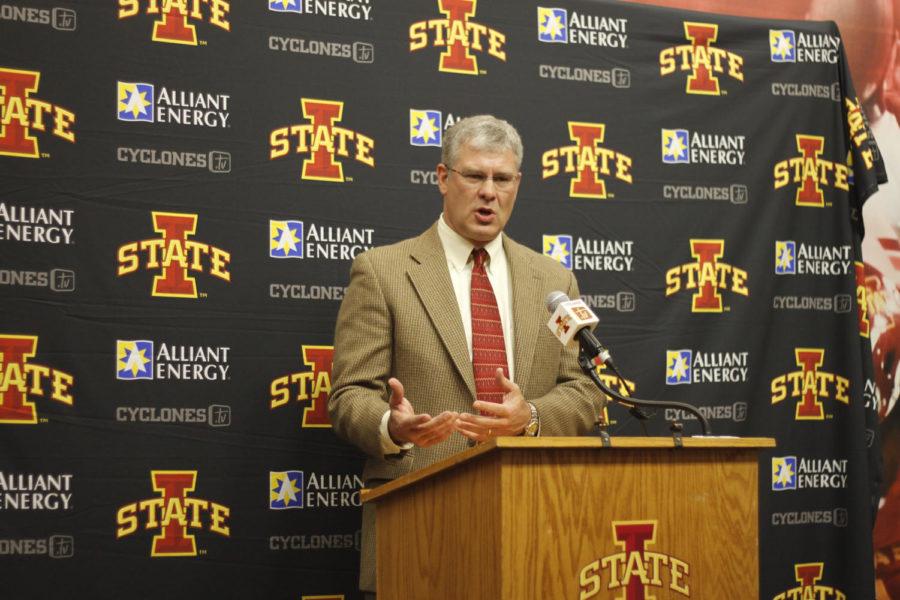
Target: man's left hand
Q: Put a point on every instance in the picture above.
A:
(495, 419)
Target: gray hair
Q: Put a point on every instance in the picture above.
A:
(482, 132)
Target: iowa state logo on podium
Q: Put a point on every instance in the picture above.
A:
(633, 572)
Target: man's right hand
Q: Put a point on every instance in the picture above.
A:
(404, 425)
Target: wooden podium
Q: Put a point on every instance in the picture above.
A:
(566, 518)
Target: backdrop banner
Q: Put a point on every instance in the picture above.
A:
(185, 184)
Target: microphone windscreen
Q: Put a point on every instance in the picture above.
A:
(554, 299)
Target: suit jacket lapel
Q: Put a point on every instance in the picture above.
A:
(527, 308)
(431, 280)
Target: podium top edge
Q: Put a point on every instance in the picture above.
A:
(562, 443)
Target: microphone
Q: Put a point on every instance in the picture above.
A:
(572, 319)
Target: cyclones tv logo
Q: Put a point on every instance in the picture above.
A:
(810, 385)
(809, 172)
(808, 575)
(459, 36)
(173, 512)
(636, 569)
(174, 254)
(313, 386)
(323, 140)
(702, 59)
(587, 160)
(173, 24)
(21, 115)
(708, 275)
(19, 378)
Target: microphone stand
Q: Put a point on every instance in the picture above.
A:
(586, 362)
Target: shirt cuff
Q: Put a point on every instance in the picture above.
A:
(387, 444)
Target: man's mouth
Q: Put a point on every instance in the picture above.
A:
(484, 214)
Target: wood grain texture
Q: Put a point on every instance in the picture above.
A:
(526, 519)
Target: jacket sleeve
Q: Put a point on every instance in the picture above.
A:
(363, 358)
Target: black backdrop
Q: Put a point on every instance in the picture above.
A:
(722, 261)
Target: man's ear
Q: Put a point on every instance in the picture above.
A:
(442, 174)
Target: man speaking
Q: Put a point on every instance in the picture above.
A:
(441, 339)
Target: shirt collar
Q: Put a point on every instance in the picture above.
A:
(459, 250)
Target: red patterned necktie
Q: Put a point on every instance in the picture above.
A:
(488, 345)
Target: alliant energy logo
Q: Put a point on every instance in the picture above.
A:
(312, 385)
(355, 10)
(61, 19)
(173, 254)
(300, 489)
(587, 161)
(557, 26)
(695, 366)
(215, 161)
(296, 239)
(425, 127)
(682, 147)
(810, 172)
(702, 59)
(22, 115)
(808, 575)
(137, 359)
(793, 258)
(810, 385)
(583, 254)
(459, 36)
(793, 473)
(838, 517)
(55, 546)
(708, 275)
(859, 132)
(35, 491)
(736, 412)
(56, 280)
(175, 19)
(359, 52)
(323, 140)
(172, 513)
(789, 46)
(142, 103)
(21, 379)
(637, 571)
(36, 224)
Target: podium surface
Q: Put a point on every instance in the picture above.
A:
(558, 518)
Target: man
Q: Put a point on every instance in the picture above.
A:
(439, 344)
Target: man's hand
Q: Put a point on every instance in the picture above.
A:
(404, 425)
(506, 418)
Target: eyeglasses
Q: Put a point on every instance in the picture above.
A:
(476, 179)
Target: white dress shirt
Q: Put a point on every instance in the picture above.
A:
(459, 263)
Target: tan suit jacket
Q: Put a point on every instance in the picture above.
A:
(400, 318)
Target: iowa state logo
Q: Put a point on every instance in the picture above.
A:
(313, 386)
(702, 60)
(173, 24)
(459, 36)
(587, 161)
(708, 275)
(810, 172)
(174, 255)
(323, 140)
(808, 575)
(173, 512)
(637, 569)
(22, 115)
(810, 385)
(20, 378)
